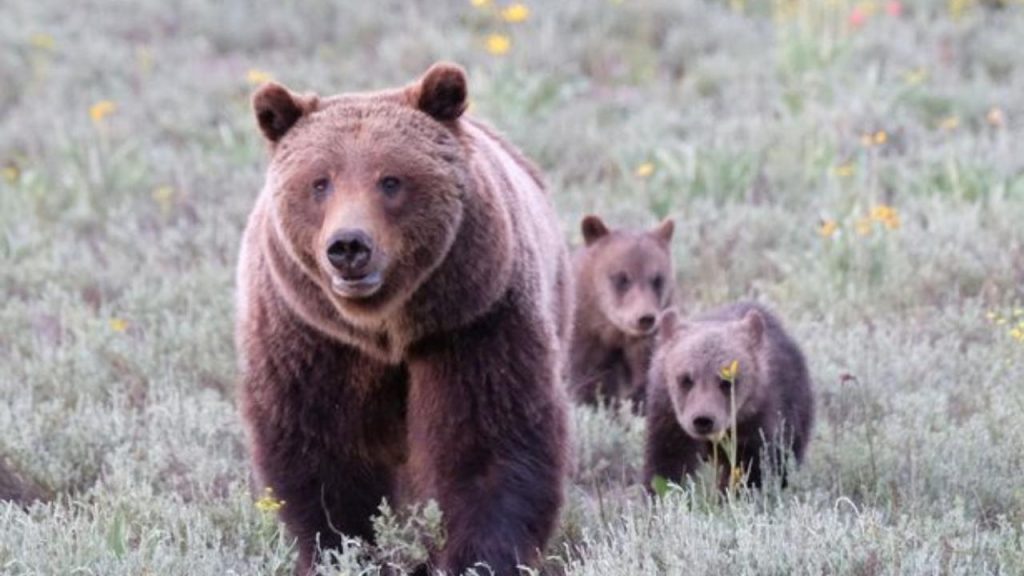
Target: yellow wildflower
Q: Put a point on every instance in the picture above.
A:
(118, 325)
(886, 215)
(863, 226)
(498, 44)
(101, 110)
(268, 503)
(957, 8)
(869, 7)
(996, 117)
(480, 3)
(950, 123)
(42, 41)
(845, 170)
(164, 195)
(828, 228)
(644, 170)
(515, 13)
(735, 476)
(1017, 334)
(730, 371)
(255, 76)
(877, 138)
(10, 174)
(916, 76)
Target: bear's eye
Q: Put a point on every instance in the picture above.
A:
(657, 283)
(389, 185)
(620, 281)
(320, 186)
(685, 382)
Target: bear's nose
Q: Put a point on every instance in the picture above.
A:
(646, 322)
(349, 252)
(703, 424)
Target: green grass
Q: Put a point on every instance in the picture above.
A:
(119, 239)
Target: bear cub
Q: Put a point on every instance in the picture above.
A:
(689, 404)
(624, 281)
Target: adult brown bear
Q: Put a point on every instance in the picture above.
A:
(403, 308)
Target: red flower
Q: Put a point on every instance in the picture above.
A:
(858, 17)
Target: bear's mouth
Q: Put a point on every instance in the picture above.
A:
(357, 286)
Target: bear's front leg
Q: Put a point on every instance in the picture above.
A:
(326, 426)
(487, 439)
(637, 355)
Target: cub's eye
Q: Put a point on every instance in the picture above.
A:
(389, 185)
(685, 382)
(320, 186)
(657, 283)
(620, 281)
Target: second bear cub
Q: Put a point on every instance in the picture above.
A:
(690, 401)
(623, 282)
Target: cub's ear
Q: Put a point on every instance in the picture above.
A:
(670, 325)
(441, 92)
(593, 229)
(753, 326)
(663, 231)
(278, 109)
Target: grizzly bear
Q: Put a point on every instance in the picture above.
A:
(403, 308)
(623, 282)
(691, 400)
(14, 487)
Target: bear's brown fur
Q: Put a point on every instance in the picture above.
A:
(14, 487)
(689, 402)
(623, 281)
(403, 308)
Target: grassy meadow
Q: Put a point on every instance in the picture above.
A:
(855, 165)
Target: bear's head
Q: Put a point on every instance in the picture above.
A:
(365, 190)
(630, 273)
(690, 361)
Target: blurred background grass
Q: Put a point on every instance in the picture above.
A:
(856, 165)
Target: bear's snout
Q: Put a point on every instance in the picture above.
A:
(703, 424)
(646, 322)
(349, 251)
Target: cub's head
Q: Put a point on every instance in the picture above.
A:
(691, 357)
(366, 190)
(629, 273)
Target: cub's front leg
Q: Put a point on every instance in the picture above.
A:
(637, 355)
(487, 438)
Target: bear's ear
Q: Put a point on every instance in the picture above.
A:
(753, 327)
(593, 229)
(663, 231)
(670, 325)
(278, 109)
(441, 92)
